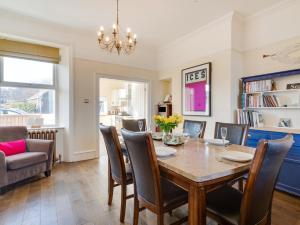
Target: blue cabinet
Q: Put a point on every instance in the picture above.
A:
(289, 177)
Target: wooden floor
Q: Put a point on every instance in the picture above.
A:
(76, 194)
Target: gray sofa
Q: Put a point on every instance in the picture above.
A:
(36, 160)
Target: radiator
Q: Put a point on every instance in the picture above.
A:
(45, 134)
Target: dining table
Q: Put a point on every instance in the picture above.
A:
(199, 168)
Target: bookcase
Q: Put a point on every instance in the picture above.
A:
(262, 96)
(267, 92)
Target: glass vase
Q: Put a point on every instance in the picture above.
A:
(167, 136)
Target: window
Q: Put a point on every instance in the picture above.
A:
(27, 92)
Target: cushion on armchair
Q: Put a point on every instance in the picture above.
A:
(13, 147)
(22, 160)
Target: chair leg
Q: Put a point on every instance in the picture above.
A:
(48, 173)
(160, 219)
(269, 219)
(123, 202)
(136, 211)
(3, 190)
(241, 184)
(110, 188)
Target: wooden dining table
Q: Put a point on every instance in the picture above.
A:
(199, 168)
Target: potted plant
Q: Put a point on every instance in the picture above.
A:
(167, 124)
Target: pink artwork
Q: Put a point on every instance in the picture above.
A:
(196, 96)
(196, 90)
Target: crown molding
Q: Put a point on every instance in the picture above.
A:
(227, 17)
(272, 9)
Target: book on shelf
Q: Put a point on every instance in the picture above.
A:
(250, 117)
(256, 101)
(258, 86)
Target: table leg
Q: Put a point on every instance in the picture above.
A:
(197, 206)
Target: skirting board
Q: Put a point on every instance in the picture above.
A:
(84, 155)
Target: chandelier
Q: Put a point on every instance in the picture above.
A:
(116, 42)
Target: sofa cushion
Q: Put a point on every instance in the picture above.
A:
(25, 159)
(13, 147)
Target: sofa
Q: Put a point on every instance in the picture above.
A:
(36, 160)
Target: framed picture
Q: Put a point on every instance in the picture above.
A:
(196, 90)
(285, 122)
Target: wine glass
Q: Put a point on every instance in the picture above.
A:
(186, 137)
(198, 130)
(223, 133)
(141, 124)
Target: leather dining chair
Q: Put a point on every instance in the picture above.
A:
(194, 128)
(118, 172)
(229, 206)
(151, 190)
(236, 134)
(133, 124)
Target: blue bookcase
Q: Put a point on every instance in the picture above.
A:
(289, 177)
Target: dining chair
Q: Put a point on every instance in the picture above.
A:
(133, 124)
(119, 174)
(236, 134)
(229, 206)
(194, 128)
(151, 190)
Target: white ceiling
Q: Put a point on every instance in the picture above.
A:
(156, 22)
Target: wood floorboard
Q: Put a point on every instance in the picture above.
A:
(76, 194)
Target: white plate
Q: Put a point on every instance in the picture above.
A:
(165, 151)
(217, 142)
(237, 156)
(173, 143)
(157, 135)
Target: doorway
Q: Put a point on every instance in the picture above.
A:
(120, 99)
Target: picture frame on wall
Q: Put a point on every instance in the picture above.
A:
(196, 90)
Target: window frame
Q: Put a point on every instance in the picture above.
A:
(4, 83)
(53, 86)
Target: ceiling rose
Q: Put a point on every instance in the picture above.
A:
(117, 42)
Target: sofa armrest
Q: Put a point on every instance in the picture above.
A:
(39, 145)
(3, 170)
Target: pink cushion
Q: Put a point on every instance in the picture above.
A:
(13, 147)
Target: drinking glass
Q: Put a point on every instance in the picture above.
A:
(223, 133)
(198, 130)
(140, 123)
(186, 137)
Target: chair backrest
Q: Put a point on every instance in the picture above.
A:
(194, 128)
(144, 165)
(236, 133)
(257, 199)
(133, 125)
(114, 152)
(12, 133)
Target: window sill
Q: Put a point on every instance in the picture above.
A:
(48, 127)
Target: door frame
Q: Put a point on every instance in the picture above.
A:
(97, 78)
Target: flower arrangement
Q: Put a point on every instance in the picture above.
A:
(168, 123)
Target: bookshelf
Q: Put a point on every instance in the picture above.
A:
(275, 91)
(262, 108)
(265, 94)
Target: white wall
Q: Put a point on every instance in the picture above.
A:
(209, 44)
(278, 23)
(81, 60)
(85, 123)
(232, 43)
(255, 64)
(268, 32)
(85, 45)
(235, 46)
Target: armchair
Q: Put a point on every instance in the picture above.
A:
(36, 160)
